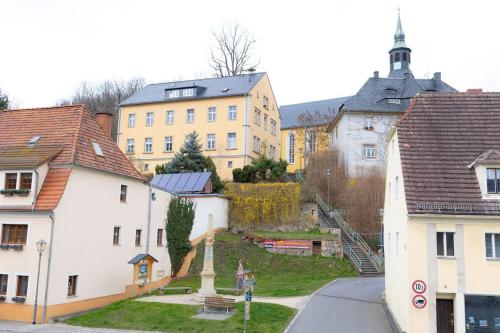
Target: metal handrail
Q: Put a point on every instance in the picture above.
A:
(351, 254)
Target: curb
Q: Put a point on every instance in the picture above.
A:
(388, 313)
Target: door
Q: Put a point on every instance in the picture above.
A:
(317, 247)
(444, 311)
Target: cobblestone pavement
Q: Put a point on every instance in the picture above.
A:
(14, 327)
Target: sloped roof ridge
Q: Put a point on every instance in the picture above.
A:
(317, 101)
(45, 107)
(206, 78)
(77, 134)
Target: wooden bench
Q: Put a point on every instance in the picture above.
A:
(187, 290)
(232, 291)
(219, 303)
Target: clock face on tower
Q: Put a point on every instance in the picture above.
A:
(397, 65)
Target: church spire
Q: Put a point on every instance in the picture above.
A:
(399, 36)
(400, 59)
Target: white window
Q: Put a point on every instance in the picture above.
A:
(170, 117)
(131, 120)
(149, 118)
(256, 144)
(265, 121)
(273, 127)
(272, 152)
(312, 141)
(210, 141)
(445, 244)
(169, 141)
(232, 112)
(394, 101)
(397, 243)
(173, 94)
(396, 188)
(368, 123)
(230, 164)
(190, 115)
(148, 145)
(188, 92)
(492, 242)
(130, 146)
(212, 113)
(231, 140)
(97, 149)
(291, 148)
(369, 151)
(256, 117)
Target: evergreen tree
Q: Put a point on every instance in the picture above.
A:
(217, 184)
(4, 100)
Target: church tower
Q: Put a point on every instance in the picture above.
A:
(400, 54)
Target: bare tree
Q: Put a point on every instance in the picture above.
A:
(232, 52)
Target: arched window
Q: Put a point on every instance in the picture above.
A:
(391, 58)
(397, 57)
(291, 148)
(312, 142)
(405, 56)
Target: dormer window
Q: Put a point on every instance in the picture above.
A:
(188, 92)
(394, 101)
(10, 181)
(493, 180)
(173, 94)
(97, 149)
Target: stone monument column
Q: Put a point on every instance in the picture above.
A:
(208, 274)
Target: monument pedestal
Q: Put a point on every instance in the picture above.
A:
(207, 284)
(208, 274)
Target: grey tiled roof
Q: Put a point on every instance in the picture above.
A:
(319, 112)
(207, 88)
(375, 93)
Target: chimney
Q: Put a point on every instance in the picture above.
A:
(474, 91)
(105, 120)
(375, 75)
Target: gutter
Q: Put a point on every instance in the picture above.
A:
(37, 176)
(49, 261)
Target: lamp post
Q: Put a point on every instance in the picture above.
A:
(328, 173)
(40, 247)
(381, 214)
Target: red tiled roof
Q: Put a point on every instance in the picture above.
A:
(52, 188)
(439, 137)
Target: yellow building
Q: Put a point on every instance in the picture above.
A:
(307, 121)
(236, 118)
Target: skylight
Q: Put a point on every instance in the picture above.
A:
(34, 140)
(97, 149)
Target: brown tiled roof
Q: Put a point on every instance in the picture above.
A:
(73, 129)
(439, 137)
(26, 157)
(52, 188)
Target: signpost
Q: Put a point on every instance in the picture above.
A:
(248, 284)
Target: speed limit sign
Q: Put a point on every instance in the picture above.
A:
(419, 287)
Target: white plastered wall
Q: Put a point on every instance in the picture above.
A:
(210, 204)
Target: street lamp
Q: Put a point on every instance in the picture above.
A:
(40, 247)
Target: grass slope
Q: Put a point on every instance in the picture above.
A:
(276, 274)
(176, 318)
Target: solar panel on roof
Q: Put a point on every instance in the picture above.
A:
(189, 182)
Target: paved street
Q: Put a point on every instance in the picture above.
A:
(345, 306)
(14, 327)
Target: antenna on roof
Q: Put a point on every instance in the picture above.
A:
(251, 70)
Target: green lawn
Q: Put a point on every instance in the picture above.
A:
(176, 318)
(276, 274)
(294, 235)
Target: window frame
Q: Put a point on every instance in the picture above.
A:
(190, 116)
(4, 284)
(138, 238)
(168, 143)
(72, 285)
(150, 119)
(495, 252)
(19, 285)
(444, 243)
(146, 145)
(159, 237)
(273, 126)
(496, 180)
(256, 116)
(22, 185)
(170, 117)
(265, 121)
(365, 146)
(211, 141)
(8, 179)
(116, 235)
(123, 193)
(130, 146)
(20, 234)
(291, 148)
(229, 164)
(212, 114)
(132, 119)
(232, 110)
(231, 140)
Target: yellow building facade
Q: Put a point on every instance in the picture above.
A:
(236, 119)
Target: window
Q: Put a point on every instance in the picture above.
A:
(232, 112)
(123, 193)
(72, 281)
(149, 118)
(231, 140)
(256, 117)
(159, 237)
(229, 164)
(116, 236)
(493, 180)
(130, 146)
(26, 181)
(10, 181)
(131, 120)
(188, 92)
(170, 117)
(273, 127)
(146, 166)
(190, 115)
(256, 144)
(34, 140)
(396, 188)
(397, 57)
(446, 244)
(291, 148)
(173, 94)
(482, 313)
(4, 279)
(138, 233)
(148, 145)
(368, 123)
(368, 151)
(492, 245)
(211, 141)
(14, 233)
(97, 149)
(211, 113)
(22, 286)
(265, 101)
(312, 141)
(169, 142)
(394, 101)
(265, 121)
(405, 57)
(272, 152)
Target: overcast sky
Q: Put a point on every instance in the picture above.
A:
(311, 49)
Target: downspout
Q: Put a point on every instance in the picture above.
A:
(45, 301)
(37, 176)
(246, 131)
(118, 127)
(148, 227)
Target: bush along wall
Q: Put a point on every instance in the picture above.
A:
(264, 206)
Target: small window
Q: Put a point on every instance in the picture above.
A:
(272, 152)
(10, 181)
(210, 141)
(312, 140)
(256, 145)
(138, 234)
(291, 148)
(190, 115)
(169, 143)
(492, 245)
(159, 237)
(369, 151)
(368, 123)
(273, 127)
(22, 286)
(97, 149)
(231, 140)
(130, 146)
(150, 118)
(14, 233)
(123, 193)
(394, 101)
(33, 140)
(232, 112)
(4, 280)
(446, 244)
(265, 101)
(170, 117)
(256, 117)
(26, 181)
(188, 92)
(173, 94)
(146, 166)
(265, 121)
(405, 57)
(229, 164)
(131, 120)
(493, 180)
(116, 236)
(212, 111)
(397, 57)
(72, 282)
(148, 145)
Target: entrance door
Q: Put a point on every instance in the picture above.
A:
(444, 310)
(317, 247)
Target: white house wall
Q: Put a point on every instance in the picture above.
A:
(17, 200)
(211, 204)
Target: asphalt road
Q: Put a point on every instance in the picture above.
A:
(345, 306)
